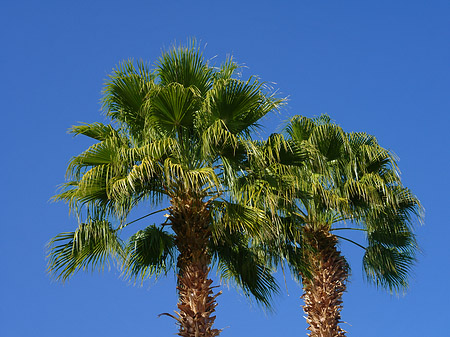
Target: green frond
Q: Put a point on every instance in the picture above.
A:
(157, 149)
(93, 245)
(217, 139)
(111, 152)
(275, 147)
(388, 267)
(237, 217)
(125, 94)
(96, 131)
(299, 128)
(357, 139)
(392, 226)
(226, 70)
(285, 243)
(186, 66)
(173, 108)
(330, 140)
(240, 104)
(150, 252)
(244, 266)
(182, 179)
(94, 197)
(142, 178)
(393, 236)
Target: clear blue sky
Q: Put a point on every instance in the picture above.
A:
(382, 67)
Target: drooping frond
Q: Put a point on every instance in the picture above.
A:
(388, 267)
(216, 139)
(109, 152)
(149, 252)
(392, 245)
(93, 245)
(178, 178)
(245, 266)
(285, 243)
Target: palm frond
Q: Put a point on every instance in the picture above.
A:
(226, 70)
(93, 245)
(217, 139)
(185, 66)
(150, 252)
(388, 267)
(173, 108)
(96, 131)
(237, 217)
(245, 267)
(240, 104)
(179, 178)
(125, 94)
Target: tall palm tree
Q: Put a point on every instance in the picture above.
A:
(179, 137)
(343, 181)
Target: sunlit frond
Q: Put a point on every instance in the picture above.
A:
(240, 104)
(110, 152)
(125, 94)
(180, 178)
(238, 217)
(96, 131)
(186, 66)
(173, 108)
(216, 139)
(226, 70)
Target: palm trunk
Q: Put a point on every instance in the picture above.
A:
(190, 220)
(322, 292)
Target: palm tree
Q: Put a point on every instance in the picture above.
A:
(179, 137)
(344, 181)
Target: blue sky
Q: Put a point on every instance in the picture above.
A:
(376, 66)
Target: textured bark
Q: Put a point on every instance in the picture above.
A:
(322, 292)
(190, 219)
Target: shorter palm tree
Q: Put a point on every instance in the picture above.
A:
(331, 182)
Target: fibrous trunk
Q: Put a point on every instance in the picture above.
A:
(324, 288)
(190, 221)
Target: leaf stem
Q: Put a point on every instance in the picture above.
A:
(142, 217)
(352, 229)
(351, 241)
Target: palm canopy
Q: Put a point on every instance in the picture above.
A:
(181, 133)
(347, 182)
